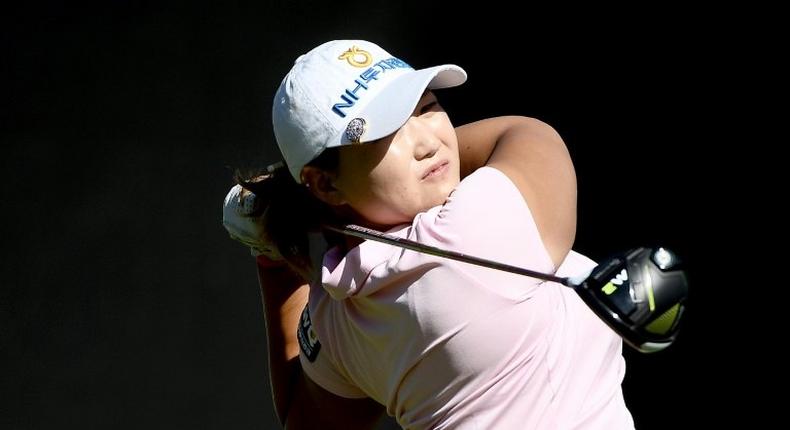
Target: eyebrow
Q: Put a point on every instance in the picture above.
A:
(427, 92)
(422, 102)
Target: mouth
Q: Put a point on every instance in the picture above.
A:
(436, 170)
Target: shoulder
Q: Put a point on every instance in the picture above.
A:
(487, 217)
(485, 198)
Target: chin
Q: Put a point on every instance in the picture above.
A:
(441, 198)
(448, 188)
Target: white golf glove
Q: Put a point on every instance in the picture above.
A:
(240, 220)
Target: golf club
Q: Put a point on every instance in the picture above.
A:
(640, 293)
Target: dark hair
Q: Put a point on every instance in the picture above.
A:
(291, 210)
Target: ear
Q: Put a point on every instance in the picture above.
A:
(321, 185)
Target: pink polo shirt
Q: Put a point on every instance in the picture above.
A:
(444, 344)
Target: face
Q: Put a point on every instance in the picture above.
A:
(389, 181)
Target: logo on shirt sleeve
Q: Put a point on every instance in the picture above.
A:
(308, 340)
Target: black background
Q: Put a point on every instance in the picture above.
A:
(125, 305)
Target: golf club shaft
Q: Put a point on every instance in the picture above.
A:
(366, 233)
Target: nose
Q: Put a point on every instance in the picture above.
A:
(425, 142)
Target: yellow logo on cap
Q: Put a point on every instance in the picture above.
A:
(354, 55)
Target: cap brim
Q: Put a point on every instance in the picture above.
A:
(386, 113)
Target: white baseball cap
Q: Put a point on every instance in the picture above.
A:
(347, 92)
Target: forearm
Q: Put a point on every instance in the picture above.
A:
(533, 155)
(284, 297)
(478, 140)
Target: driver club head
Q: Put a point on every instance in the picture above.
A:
(640, 294)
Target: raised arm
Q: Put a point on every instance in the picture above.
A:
(284, 296)
(299, 403)
(534, 157)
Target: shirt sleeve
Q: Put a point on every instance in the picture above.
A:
(318, 364)
(487, 216)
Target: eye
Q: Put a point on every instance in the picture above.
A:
(429, 107)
